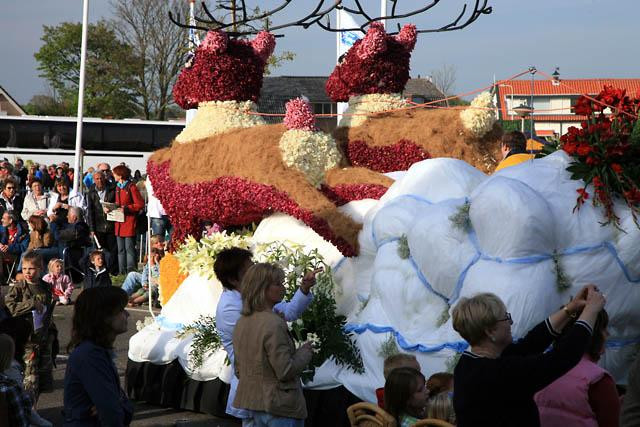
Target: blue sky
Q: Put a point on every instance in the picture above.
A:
(585, 38)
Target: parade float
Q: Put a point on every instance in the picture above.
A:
(398, 250)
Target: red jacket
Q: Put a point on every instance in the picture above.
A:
(128, 197)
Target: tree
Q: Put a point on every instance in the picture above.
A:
(48, 105)
(444, 78)
(161, 49)
(109, 73)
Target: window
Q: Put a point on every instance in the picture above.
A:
(541, 105)
(324, 108)
(127, 137)
(418, 99)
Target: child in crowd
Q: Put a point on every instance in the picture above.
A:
(440, 407)
(210, 228)
(61, 285)
(440, 382)
(405, 396)
(31, 299)
(149, 280)
(20, 403)
(134, 279)
(96, 274)
(400, 360)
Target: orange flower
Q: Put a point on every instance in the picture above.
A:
(170, 277)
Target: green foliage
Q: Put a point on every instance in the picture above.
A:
(461, 219)
(452, 362)
(45, 105)
(109, 75)
(634, 138)
(511, 125)
(320, 318)
(389, 347)
(403, 247)
(563, 282)
(205, 339)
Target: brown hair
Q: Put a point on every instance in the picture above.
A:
(60, 181)
(92, 315)
(515, 141)
(400, 360)
(398, 388)
(38, 224)
(439, 382)
(122, 171)
(33, 258)
(228, 264)
(10, 180)
(95, 254)
(597, 338)
(255, 283)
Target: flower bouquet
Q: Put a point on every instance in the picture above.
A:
(605, 153)
(319, 323)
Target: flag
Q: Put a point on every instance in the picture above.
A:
(346, 39)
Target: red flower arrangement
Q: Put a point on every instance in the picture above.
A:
(345, 193)
(604, 153)
(378, 63)
(228, 201)
(224, 69)
(396, 157)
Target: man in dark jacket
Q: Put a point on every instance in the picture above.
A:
(9, 198)
(102, 191)
(74, 237)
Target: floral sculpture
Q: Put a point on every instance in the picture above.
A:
(230, 167)
(223, 81)
(604, 152)
(378, 130)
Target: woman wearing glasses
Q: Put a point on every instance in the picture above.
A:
(495, 380)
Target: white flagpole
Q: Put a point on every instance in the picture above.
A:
(83, 60)
(383, 12)
(191, 113)
(340, 106)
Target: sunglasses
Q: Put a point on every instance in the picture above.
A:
(507, 318)
(10, 188)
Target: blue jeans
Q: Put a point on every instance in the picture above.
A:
(161, 226)
(132, 282)
(126, 254)
(263, 419)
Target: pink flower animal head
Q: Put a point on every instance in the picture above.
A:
(378, 63)
(224, 69)
(299, 115)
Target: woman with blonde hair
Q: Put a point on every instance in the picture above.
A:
(267, 363)
(495, 380)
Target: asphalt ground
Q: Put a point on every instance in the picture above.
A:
(50, 404)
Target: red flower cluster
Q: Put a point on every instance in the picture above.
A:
(378, 63)
(228, 201)
(345, 193)
(396, 157)
(224, 69)
(604, 153)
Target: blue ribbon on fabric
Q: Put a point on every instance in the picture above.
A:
(165, 323)
(531, 259)
(457, 346)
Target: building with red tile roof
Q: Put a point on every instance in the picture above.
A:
(553, 100)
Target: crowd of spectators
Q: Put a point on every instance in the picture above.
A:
(41, 211)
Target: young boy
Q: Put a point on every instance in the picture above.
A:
(149, 280)
(31, 299)
(400, 360)
(96, 273)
